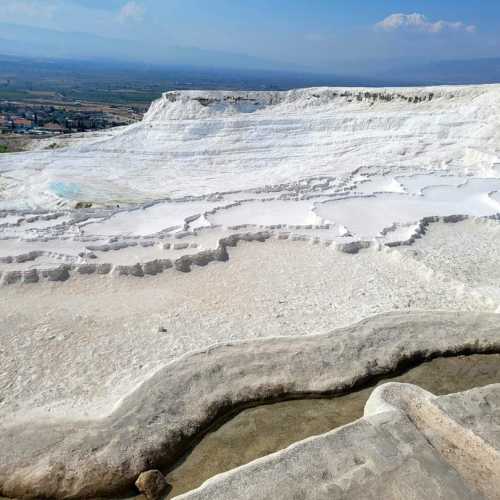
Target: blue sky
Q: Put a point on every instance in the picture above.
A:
(317, 34)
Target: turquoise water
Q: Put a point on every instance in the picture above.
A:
(65, 189)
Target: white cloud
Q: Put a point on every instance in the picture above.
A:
(19, 9)
(71, 16)
(131, 11)
(419, 22)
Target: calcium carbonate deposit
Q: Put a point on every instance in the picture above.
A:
(344, 166)
(228, 216)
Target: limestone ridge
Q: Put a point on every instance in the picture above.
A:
(247, 102)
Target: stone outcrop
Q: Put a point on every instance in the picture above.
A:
(152, 484)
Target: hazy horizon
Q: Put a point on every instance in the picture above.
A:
(330, 38)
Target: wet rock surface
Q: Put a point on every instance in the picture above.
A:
(409, 444)
(260, 431)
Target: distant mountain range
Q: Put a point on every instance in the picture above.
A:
(473, 71)
(36, 42)
(23, 41)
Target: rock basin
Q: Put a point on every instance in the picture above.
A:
(259, 431)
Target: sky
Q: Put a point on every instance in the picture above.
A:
(320, 35)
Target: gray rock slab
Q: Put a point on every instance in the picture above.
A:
(410, 444)
(450, 426)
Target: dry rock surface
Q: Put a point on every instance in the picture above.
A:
(152, 484)
(75, 349)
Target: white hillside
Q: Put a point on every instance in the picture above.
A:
(196, 143)
(348, 167)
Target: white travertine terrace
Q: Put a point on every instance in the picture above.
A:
(348, 166)
(336, 169)
(314, 209)
(198, 143)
